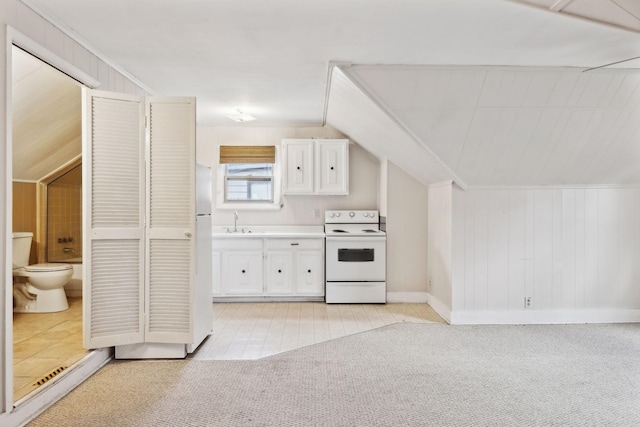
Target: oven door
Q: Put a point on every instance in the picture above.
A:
(353, 259)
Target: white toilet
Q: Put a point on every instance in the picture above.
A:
(43, 291)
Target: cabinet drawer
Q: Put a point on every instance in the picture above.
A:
(294, 243)
(236, 244)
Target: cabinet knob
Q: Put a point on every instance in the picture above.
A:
(308, 271)
(331, 167)
(187, 234)
(279, 271)
(298, 168)
(243, 271)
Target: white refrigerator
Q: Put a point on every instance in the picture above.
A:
(203, 297)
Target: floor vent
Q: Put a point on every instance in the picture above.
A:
(49, 376)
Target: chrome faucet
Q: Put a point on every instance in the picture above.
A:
(235, 222)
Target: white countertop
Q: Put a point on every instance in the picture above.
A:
(261, 231)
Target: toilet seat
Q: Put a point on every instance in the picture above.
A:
(47, 267)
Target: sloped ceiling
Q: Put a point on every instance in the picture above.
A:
(356, 115)
(521, 126)
(270, 58)
(621, 13)
(47, 119)
(491, 90)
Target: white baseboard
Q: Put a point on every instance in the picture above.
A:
(38, 401)
(408, 297)
(441, 308)
(543, 317)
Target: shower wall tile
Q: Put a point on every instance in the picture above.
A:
(64, 217)
(25, 212)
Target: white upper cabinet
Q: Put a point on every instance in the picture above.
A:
(332, 167)
(316, 166)
(298, 167)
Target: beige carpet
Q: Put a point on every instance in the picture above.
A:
(399, 375)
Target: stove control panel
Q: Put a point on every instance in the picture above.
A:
(355, 217)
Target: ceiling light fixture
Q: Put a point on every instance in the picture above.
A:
(241, 117)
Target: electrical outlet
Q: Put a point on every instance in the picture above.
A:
(527, 302)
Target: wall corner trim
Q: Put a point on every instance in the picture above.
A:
(441, 308)
(441, 184)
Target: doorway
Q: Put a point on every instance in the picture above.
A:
(46, 145)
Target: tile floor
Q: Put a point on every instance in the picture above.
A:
(44, 342)
(254, 330)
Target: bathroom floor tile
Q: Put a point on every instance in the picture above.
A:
(44, 342)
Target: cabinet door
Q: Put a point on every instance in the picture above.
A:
(332, 167)
(309, 273)
(216, 264)
(279, 272)
(241, 273)
(298, 169)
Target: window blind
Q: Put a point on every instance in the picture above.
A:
(247, 154)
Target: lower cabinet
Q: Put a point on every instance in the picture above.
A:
(242, 272)
(268, 267)
(310, 273)
(279, 273)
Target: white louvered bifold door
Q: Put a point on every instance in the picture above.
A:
(113, 209)
(171, 220)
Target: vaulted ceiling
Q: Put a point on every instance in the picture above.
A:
(523, 126)
(46, 118)
(620, 13)
(485, 92)
(270, 58)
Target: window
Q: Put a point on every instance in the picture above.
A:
(249, 182)
(248, 177)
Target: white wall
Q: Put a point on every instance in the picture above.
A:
(297, 210)
(439, 244)
(384, 187)
(406, 212)
(573, 251)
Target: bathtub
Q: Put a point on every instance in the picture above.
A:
(74, 287)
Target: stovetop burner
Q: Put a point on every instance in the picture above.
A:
(352, 224)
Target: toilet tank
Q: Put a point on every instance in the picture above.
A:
(21, 249)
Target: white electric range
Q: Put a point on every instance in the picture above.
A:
(355, 257)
